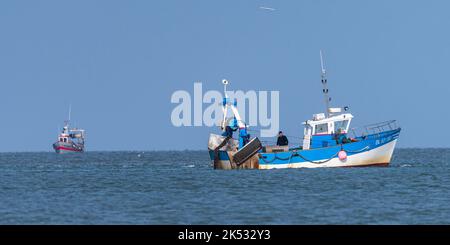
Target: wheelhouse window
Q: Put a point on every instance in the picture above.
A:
(340, 126)
(322, 128)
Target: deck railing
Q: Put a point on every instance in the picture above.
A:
(369, 129)
(374, 128)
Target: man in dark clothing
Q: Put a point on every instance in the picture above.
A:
(228, 132)
(282, 139)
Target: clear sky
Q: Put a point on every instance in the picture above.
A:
(118, 63)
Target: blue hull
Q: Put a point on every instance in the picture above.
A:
(374, 149)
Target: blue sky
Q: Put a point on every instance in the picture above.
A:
(118, 63)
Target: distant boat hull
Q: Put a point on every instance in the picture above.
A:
(61, 147)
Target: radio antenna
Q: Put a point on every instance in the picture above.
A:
(70, 110)
(325, 87)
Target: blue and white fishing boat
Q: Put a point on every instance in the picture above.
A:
(328, 142)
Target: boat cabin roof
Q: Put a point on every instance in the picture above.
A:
(321, 125)
(320, 118)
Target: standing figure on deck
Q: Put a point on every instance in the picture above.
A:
(282, 139)
(228, 132)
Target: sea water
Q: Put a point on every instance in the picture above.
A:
(181, 187)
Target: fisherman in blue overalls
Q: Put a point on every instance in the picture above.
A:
(340, 137)
(228, 132)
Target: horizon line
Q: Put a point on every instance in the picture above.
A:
(179, 150)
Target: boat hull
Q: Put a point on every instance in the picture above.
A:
(61, 148)
(372, 150)
(377, 157)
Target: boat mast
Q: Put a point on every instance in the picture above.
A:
(224, 104)
(325, 87)
(225, 83)
(70, 111)
(66, 123)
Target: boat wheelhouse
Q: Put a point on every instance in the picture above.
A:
(321, 131)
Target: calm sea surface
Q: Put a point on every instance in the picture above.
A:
(182, 188)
